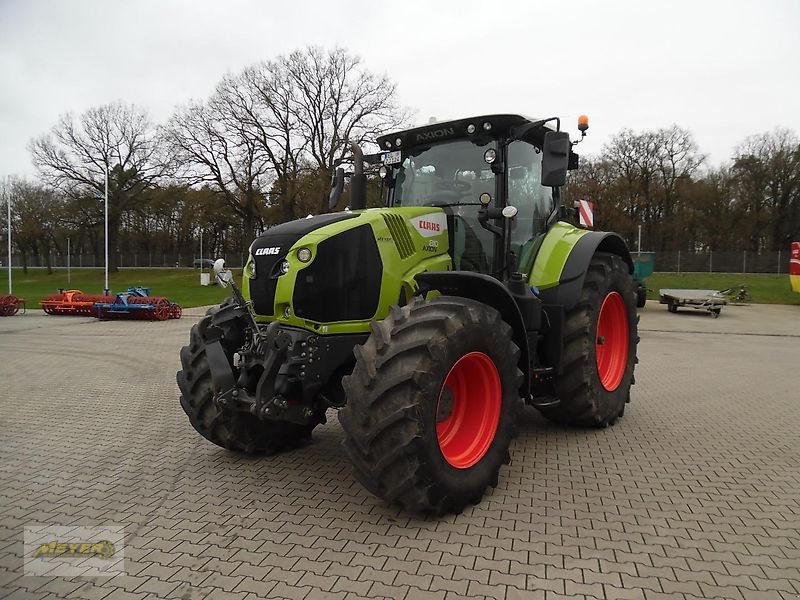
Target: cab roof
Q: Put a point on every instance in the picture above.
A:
(486, 126)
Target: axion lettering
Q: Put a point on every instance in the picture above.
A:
(435, 134)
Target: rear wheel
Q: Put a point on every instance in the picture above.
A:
(234, 430)
(432, 404)
(641, 294)
(600, 339)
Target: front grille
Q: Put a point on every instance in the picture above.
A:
(344, 281)
(399, 231)
(280, 239)
(262, 288)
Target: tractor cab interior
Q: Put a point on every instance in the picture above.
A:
(453, 175)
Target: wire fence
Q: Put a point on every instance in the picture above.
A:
(77, 261)
(722, 262)
(666, 262)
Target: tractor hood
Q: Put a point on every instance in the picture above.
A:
(343, 267)
(278, 239)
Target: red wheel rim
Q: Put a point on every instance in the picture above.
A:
(162, 310)
(468, 410)
(611, 347)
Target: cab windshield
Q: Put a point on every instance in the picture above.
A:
(448, 174)
(455, 174)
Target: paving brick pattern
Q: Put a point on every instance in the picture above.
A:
(694, 494)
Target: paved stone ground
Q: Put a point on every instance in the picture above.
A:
(695, 493)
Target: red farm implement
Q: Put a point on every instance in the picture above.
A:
(137, 303)
(72, 302)
(10, 305)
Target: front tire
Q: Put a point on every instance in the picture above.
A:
(600, 340)
(233, 430)
(432, 404)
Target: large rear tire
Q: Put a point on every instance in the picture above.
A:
(233, 430)
(599, 356)
(432, 404)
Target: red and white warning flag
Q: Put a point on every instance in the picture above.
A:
(586, 213)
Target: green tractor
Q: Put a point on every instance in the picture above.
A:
(427, 324)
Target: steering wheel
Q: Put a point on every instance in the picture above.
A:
(461, 187)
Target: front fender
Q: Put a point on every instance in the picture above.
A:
(490, 291)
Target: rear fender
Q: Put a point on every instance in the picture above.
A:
(574, 263)
(488, 290)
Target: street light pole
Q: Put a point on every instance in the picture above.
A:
(105, 219)
(69, 275)
(8, 206)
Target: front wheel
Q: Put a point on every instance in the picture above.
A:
(233, 430)
(599, 356)
(432, 404)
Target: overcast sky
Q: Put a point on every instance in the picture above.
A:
(723, 70)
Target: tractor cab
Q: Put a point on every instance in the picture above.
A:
(474, 169)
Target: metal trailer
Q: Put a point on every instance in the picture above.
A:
(711, 301)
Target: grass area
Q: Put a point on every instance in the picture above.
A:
(183, 285)
(765, 289)
(179, 285)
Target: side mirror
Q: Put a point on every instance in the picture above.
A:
(337, 185)
(224, 276)
(555, 158)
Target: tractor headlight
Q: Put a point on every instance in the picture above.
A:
(490, 156)
(284, 267)
(304, 255)
(250, 269)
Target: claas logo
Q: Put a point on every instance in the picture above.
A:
(104, 549)
(429, 225)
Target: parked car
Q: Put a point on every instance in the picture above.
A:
(206, 263)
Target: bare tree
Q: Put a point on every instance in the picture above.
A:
(214, 147)
(648, 170)
(269, 136)
(337, 100)
(766, 172)
(116, 139)
(36, 217)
